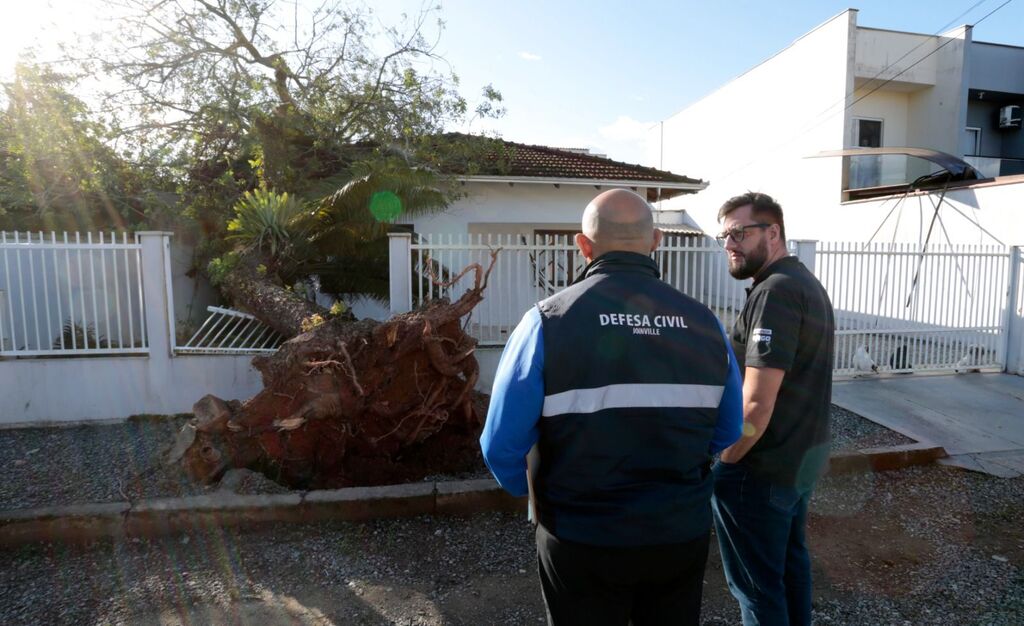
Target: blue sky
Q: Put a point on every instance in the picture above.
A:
(595, 74)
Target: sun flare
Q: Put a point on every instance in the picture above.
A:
(40, 27)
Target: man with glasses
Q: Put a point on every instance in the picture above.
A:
(785, 341)
(627, 387)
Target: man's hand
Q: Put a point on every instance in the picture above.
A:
(760, 390)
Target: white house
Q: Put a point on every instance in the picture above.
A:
(528, 190)
(522, 194)
(842, 85)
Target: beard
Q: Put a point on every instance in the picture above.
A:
(750, 263)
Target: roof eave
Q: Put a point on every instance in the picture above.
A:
(597, 182)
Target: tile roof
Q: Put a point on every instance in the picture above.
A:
(508, 158)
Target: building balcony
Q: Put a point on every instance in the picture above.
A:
(990, 167)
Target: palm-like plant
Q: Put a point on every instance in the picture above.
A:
(341, 237)
(352, 222)
(275, 226)
(75, 336)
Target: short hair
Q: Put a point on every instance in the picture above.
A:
(763, 207)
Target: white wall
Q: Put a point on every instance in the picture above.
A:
(998, 207)
(937, 115)
(889, 106)
(192, 294)
(755, 132)
(532, 205)
(903, 57)
(68, 390)
(931, 68)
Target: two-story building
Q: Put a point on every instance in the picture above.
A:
(842, 85)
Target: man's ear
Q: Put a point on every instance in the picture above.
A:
(658, 235)
(586, 246)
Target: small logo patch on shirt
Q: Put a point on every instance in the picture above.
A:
(761, 335)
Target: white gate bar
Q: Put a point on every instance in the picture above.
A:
(106, 300)
(138, 277)
(235, 324)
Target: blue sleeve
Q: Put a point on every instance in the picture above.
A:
(730, 409)
(517, 398)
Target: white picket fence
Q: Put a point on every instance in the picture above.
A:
(71, 294)
(531, 268)
(934, 309)
(941, 308)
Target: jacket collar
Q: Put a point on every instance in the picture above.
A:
(615, 262)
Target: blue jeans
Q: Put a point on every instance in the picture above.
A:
(761, 536)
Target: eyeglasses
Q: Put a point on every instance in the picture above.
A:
(738, 234)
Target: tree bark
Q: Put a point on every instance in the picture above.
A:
(281, 309)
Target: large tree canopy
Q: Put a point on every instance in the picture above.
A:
(255, 94)
(284, 89)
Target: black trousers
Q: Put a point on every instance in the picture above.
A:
(594, 585)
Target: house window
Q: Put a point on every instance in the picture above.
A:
(867, 132)
(972, 141)
(866, 171)
(556, 268)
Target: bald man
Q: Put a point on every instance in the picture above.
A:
(627, 387)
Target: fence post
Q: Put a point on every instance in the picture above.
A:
(158, 309)
(400, 272)
(1014, 320)
(805, 251)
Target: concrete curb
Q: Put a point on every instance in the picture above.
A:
(80, 523)
(885, 459)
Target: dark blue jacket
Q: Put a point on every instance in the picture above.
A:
(628, 387)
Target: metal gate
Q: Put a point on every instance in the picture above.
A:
(911, 308)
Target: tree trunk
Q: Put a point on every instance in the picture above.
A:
(347, 403)
(277, 307)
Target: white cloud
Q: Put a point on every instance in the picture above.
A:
(625, 128)
(529, 56)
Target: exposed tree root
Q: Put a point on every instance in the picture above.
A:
(353, 403)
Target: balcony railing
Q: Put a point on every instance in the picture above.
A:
(990, 167)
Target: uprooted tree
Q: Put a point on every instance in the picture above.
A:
(344, 402)
(295, 122)
(351, 403)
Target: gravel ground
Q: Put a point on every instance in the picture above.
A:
(103, 463)
(852, 432)
(97, 463)
(927, 545)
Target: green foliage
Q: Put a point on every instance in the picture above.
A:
(311, 322)
(221, 266)
(272, 223)
(58, 170)
(339, 308)
(350, 240)
(74, 336)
